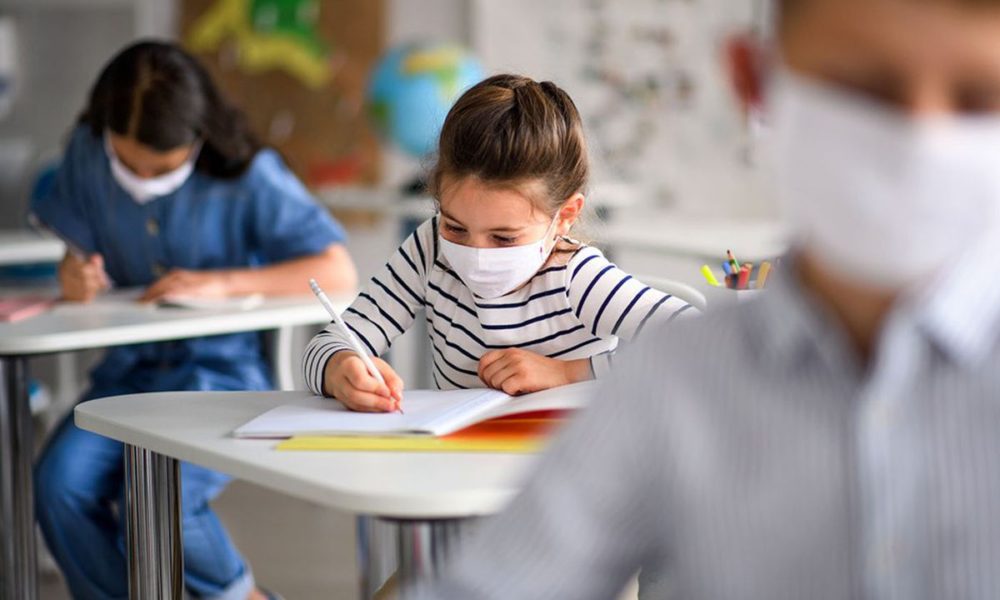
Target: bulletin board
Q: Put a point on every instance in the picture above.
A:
(647, 77)
(299, 69)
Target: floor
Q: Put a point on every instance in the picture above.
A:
(298, 549)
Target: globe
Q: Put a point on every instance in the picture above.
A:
(412, 89)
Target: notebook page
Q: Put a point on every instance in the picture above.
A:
(426, 412)
(567, 397)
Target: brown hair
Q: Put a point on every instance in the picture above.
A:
(510, 130)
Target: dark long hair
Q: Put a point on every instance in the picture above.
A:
(159, 95)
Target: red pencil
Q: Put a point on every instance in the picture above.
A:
(744, 282)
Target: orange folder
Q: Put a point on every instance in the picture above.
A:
(517, 434)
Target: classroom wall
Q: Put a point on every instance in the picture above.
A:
(61, 45)
(64, 42)
(58, 53)
(647, 75)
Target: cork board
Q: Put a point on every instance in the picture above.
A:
(299, 69)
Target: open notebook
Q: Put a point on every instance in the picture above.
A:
(427, 413)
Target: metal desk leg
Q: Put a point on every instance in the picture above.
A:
(281, 354)
(424, 547)
(376, 554)
(153, 526)
(17, 498)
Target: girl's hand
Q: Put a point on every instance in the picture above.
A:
(346, 379)
(179, 283)
(515, 371)
(82, 280)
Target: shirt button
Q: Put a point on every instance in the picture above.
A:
(152, 227)
(159, 270)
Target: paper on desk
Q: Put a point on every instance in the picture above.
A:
(117, 301)
(427, 413)
(232, 304)
(128, 299)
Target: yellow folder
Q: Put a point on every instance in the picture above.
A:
(510, 435)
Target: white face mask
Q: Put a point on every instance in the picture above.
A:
(145, 190)
(876, 197)
(494, 272)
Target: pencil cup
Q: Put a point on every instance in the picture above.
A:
(721, 297)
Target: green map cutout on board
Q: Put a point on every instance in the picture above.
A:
(270, 34)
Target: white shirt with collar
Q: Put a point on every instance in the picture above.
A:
(750, 454)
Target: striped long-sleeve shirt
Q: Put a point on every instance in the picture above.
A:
(578, 306)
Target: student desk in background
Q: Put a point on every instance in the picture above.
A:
(24, 247)
(701, 239)
(427, 495)
(110, 321)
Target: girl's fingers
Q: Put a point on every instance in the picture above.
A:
(94, 279)
(152, 294)
(489, 374)
(488, 359)
(105, 279)
(171, 283)
(365, 402)
(497, 380)
(510, 382)
(359, 378)
(83, 272)
(82, 285)
(392, 379)
(153, 291)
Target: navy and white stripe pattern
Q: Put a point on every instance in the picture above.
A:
(756, 458)
(577, 309)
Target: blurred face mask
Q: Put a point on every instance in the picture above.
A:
(142, 189)
(874, 196)
(494, 272)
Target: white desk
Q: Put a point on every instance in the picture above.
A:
(115, 320)
(387, 203)
(426, 494)
(701, 238)
(22, 247)
(111, 321)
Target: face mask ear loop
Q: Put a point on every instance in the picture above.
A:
(554, 237)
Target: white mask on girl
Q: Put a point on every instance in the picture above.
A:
(878, 197)
(142, 189)
(494, 272)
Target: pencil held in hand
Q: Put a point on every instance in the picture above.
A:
(352, 339)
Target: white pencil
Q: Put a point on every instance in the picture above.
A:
(353, 339)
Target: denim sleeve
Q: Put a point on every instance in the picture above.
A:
(64, 208)
(286, 221)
